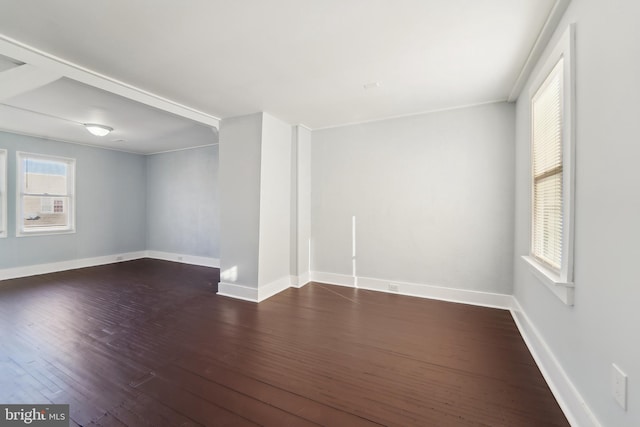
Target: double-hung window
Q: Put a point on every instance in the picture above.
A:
(552, 178)
(546, 152)
(3, 193)
(46, 194)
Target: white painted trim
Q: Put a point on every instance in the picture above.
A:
(254, 294)
(185, 259)
(302, 280)
(571, 402)
(181, 149)
(28, 54)
(21, 230)
(419, 113)
(32, 270)
(464, 296)
(233, 290)
(561, 289)
(539, 45)
(273, 288)
(561, 283)
(333, 279)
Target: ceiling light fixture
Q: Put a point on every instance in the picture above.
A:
(97, 130)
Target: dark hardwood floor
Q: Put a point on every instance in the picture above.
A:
(149, 343)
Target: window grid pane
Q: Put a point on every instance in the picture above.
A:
(43, 211)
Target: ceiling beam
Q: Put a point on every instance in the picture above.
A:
(21, 52)
(23, 78)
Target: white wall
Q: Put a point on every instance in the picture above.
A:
(603, 326)
(275, 202)
(432, 195)
(239, 177)
(183, 210)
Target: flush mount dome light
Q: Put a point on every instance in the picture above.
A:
(97, 130)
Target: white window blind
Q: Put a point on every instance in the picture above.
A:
(547, 226)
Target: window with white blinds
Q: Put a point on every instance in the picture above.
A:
(551, 99)
(547, 148)
(3, 193)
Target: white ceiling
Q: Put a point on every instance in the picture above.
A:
(7, 63)
(59, 109)
(304, 61)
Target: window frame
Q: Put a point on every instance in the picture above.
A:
(3, 194)
(21, 231)
(559, 281)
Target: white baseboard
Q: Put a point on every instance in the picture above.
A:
(333, 279)
(236, 291)
(53, 267)
(573, 405)
(300, 281)
(254, 294)
(185, 259)
(484, 299)
(464, 296)
(275, 287)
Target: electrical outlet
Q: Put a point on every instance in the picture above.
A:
(119, 258)
(619, 386)
(393, 287)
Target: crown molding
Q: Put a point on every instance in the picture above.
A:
(539, 45)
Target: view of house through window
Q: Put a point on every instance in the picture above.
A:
(46, 193)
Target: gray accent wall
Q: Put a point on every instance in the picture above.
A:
(432, 195)
(183, 214)
(603, 325)
(110, 205)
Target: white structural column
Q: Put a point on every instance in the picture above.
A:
(256, 199)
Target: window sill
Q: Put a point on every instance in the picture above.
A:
(45, 232)
(561, 289)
